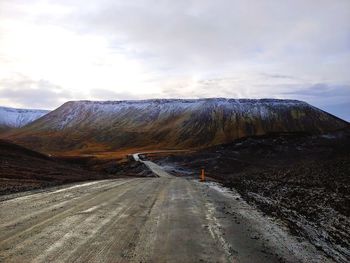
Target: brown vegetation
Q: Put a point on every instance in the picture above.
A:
(100, 127)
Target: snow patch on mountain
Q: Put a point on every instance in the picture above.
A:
(76, 111)
(16, 118)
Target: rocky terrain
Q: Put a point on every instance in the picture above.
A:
(301, 179)
(84, 127)
(15, 118)
(163, 219)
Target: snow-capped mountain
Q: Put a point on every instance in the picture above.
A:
(16, 118)
(168, 123)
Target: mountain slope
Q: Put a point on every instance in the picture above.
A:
(24, 169)
(15, 118)
(87, 126)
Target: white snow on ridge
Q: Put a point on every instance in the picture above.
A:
(16, 118)
(174, 105)
(188, 102)
(74, 112)
(182, 104)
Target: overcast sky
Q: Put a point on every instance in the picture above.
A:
(54, 51)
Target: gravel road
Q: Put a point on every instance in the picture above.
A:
(165, 219)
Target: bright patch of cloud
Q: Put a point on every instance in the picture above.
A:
(142, 49)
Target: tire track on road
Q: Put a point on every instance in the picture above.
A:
(48, 202)
(115, 240)
(32, 227)
(87, 230)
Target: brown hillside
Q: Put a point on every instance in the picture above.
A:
(92, 127)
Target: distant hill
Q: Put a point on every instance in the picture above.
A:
(24, 169)
(90, 126)
(15, 118)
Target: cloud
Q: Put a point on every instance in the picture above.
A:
(279, 76)
(204, 35)
(102, 94)
(334, 99)
(116, 49)
(29, 93)
(323, 91)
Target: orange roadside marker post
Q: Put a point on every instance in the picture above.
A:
(202, 176)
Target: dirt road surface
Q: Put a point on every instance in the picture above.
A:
(165, 219)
